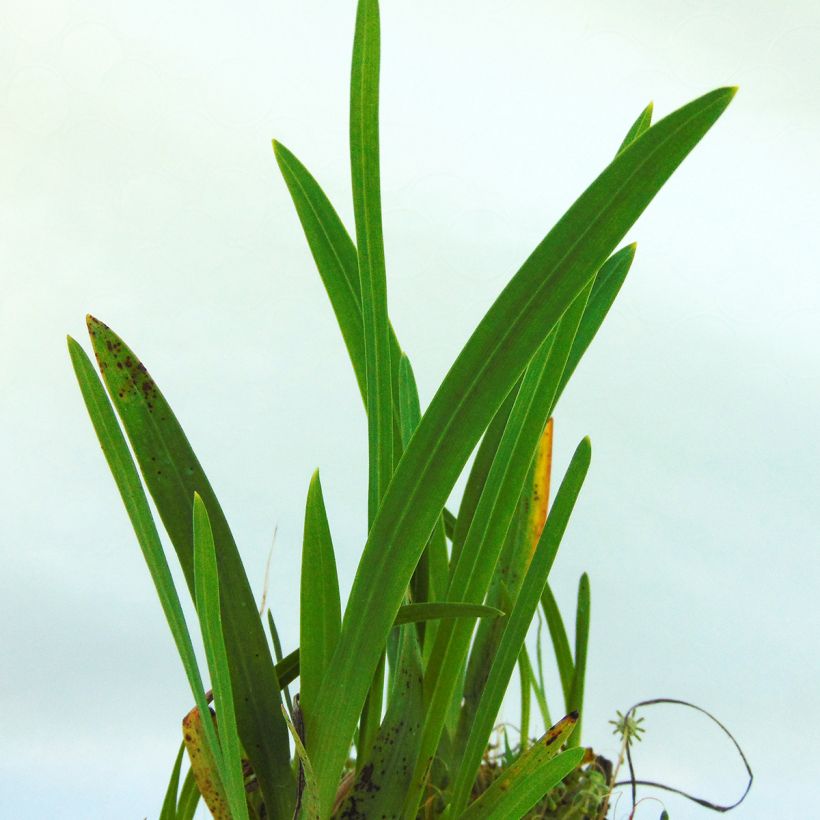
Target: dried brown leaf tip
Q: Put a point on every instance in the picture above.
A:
(561, 730)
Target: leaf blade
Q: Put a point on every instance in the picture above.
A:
(518, 622)
(124, 471)
(320, 610)
(206, 584)
(552, 277)
(172, 474)
(582, 617)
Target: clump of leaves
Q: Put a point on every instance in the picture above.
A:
(399, 691)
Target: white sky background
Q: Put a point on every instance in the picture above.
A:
(137, 183)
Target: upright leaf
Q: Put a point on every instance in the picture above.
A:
(643, 121)
(381, 782)
(576, 697)
(607, 285)
(560, 642)
(188, 798)
(478, 474)
(320, 611)
(133, 496)
(518, 622)
(338, 264)
(430, 579)
(519, 546)
(364, 164)
(367, 209)
(491, 524)
(172, 475)
(206, 583)
(169, 804)
(482, 376)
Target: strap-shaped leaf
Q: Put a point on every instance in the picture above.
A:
(367, 209)
(320, 611)
(172, 474)
(491, 523)
(576, 697)
(478, 475)
(560, 642)
(607, 285)
(431, 576)
(169, 804)
(337, 262)
(414, 613)
(188, 798)
(381, 784)
(287, 670)
(484, 373)
(641, 124)
(529, 779)
(206, 583)
(133, 496)
(519, 546)
(518, 622)
(278, 655)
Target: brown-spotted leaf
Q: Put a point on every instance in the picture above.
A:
(203, 765)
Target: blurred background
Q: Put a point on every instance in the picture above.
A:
(137, 182)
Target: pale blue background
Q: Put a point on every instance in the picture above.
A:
(137, 182)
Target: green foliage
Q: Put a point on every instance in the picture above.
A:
(425, 577)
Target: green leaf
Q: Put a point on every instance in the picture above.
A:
(381, 785)
(529, 779)
(494, 514)
(538, 682)
(518, 622)
(637, 128)
(169, 804)
(320, 613)
(410, 416)
(338, 264)
(188, 798)
(206, 583)
(525, 676)
(364, 163)
(413, 613)
(277, 654)
(576, 697)
(519, 546)
(478, 474)
(172, 475)
(607, 285)
(560, 642)
(133, 496)
(482, 376)
(287, 670)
